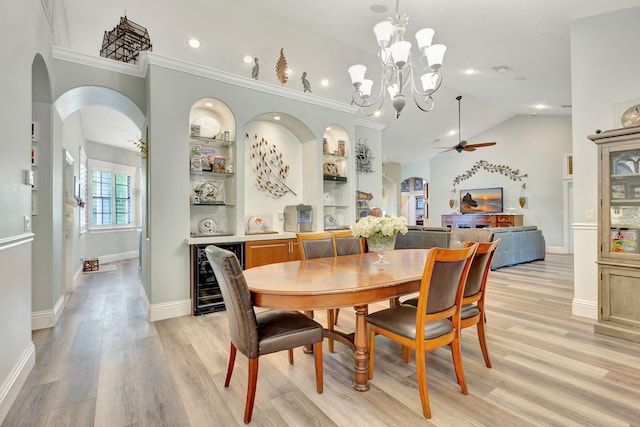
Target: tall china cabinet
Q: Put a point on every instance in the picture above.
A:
(619, 233)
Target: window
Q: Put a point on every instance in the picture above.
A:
(112, 188)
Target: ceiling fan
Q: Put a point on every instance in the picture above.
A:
(464, 145)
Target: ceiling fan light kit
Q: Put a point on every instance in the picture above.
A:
(398, 67)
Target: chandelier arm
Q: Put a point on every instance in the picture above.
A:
(429, 106)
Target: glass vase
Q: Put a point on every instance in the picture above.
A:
(379, 243)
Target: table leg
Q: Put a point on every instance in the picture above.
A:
(361, 354)
(309, 347)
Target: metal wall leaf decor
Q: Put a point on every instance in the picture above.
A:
(512, 174)
(281, 68)
(269, 167)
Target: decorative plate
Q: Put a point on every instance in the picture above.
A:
(256, 224)
(208, 226)
(328, 199)
(208, 192)
(631, 117)
(209, 127)
(330, 221)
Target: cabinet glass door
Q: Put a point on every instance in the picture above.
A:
(624, 198)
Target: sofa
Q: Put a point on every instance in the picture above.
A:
(517, 245)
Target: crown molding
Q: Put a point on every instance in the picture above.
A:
(244, 82)
(64, 54)
(147, 58)
(369, 124)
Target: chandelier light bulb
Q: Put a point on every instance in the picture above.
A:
(357, 73)
(383, 32)
(400, 53)
(429, 81)
(435, 55)
(424, 37)
(366, 86)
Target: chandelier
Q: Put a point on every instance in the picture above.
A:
(398, 68)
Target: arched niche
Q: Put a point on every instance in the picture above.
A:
(294, 157)
(211, 118)
(337, 196)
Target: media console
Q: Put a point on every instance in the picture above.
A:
(481, 220)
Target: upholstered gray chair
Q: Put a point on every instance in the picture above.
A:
(346, 244)
(255, 335)
(435, 321)
(461, 235)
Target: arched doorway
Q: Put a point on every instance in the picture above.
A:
(415, 200)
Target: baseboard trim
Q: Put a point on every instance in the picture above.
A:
(16, 379)
(556, 250)
(47, 318)
(105, 259)
(584, 308)
(168, 310)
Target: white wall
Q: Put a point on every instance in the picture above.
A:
(603, 77)
(534, 145)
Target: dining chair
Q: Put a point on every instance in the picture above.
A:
(436, 317)
(472, 312)
(256, 334)
(319, 245)
(346, 243)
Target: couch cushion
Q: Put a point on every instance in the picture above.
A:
(461, 235)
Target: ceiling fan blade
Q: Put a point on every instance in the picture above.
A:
(483, 144)
(469, 148)
(462, 143)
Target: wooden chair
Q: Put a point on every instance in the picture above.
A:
(319, 245)
(472, 312)
(256, 334)
(474, 292)
(346, 244)
(436, 317)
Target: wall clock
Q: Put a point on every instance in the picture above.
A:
(631, 117)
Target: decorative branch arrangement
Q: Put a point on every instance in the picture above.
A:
(512, 174)
(270, 169)
(142, 146)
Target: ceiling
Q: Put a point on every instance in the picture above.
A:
(325, 37)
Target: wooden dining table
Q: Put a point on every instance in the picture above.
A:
(344, 281)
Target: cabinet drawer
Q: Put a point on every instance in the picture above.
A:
(482, 219)
(504, 218)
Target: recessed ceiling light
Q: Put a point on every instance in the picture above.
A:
(247, 59)
(452, 132)
(377, 113)
(288, 71)
(194, 43)
(276, 117)
(469, 71)
(540, 107)
(327, 128)
(209, 104)
(324, 82)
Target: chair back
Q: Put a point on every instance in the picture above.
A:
(316, 245)
(243, 327)
(480, 268)
(346, 243)
(442, 286)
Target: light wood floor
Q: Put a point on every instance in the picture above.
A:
(105, 365)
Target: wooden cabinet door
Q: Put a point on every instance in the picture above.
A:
(270, 251)
(266, 252)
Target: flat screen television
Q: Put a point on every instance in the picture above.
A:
(481, 200)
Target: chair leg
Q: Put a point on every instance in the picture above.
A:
(421, 372)
(336, 312)
(232, 360)
(290, 356)
(483, 343)
(317, 353)
(251, 389)
(330, 323)
(406, 354)
(456, 352)
(372, 349)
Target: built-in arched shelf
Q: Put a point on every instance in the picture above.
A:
(337, 199)
(212, 134)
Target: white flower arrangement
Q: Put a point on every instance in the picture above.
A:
(373, 226)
